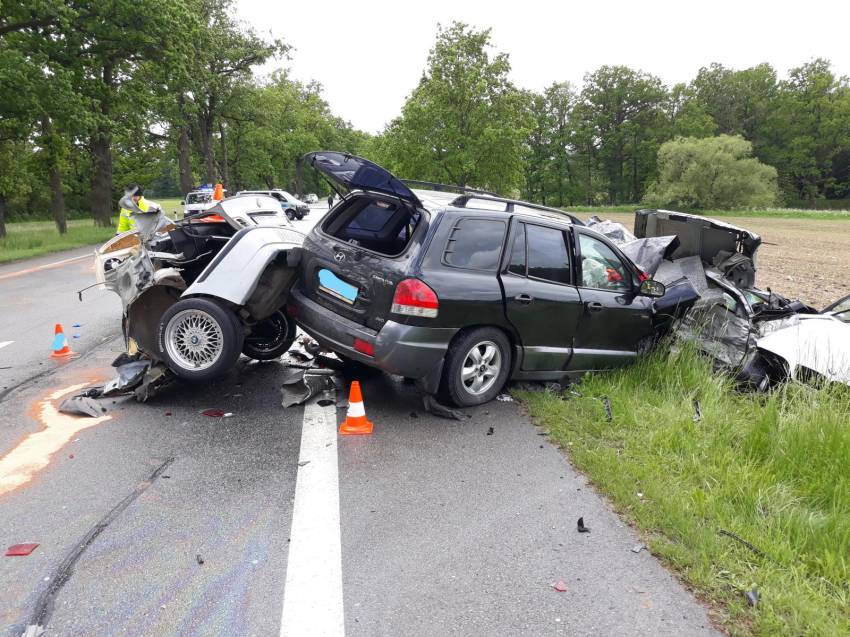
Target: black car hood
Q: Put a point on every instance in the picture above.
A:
(354, 172)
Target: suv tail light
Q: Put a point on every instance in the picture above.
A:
(414, 298)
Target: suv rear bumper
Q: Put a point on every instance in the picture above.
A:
(404, 350)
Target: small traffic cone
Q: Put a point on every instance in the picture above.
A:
(218, 193)
(355, 420)
(60, 343)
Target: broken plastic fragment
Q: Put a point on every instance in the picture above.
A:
(199, 559)
(752, 597)
(637, 548)
(489, 431)
(20, 550)
(82, 406)
(581, 527)
(433, 407)
(560, 587)
(504, 398)
(213, 413)
(606, 404)
(697, 411)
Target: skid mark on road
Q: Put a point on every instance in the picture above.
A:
(33, 454)
(312, 597)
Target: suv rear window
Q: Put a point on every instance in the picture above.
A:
(475, 244)
(374, 224)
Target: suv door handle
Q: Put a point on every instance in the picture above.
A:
(594, 306)
(525, 299)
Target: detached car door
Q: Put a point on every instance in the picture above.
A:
(615, 321)
(541, 301)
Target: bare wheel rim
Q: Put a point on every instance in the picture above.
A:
(481, 367)
(194, 340)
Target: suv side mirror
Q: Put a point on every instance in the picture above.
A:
(655, 289)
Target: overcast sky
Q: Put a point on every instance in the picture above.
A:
(369, 55)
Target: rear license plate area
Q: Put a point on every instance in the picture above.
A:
(332, 285)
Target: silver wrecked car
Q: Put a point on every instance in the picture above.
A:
(198, 292)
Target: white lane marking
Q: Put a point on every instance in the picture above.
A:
(46, 266)
(5, 343)
(312, 595)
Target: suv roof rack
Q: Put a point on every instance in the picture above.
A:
(460, 202)
(446, 187)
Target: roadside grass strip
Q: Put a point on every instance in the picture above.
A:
(33, 238)
(735, 492)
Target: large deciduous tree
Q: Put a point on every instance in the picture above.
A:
(711, 173)
(465, 123)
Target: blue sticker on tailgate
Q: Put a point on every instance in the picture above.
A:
(336, 287)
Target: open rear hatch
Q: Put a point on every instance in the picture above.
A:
(354, 260)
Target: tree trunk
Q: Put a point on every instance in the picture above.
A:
(101, 148)
(57, 197)
(184, 161)
(2, 216)
(225, 169)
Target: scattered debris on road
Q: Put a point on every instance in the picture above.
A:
(199, 559)
(504, 398)
(637, 548)
(489, 431)
(20, 550)
(433, 406)
(82, 405)
(560, 586)
(581, 527)
(213, 413)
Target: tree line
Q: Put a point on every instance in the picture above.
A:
(95, 95)
(599, 143)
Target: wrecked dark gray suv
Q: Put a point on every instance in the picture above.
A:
(463, 291)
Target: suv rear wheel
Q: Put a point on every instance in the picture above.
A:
(476, 368)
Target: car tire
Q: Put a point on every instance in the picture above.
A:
(270, 338)
(476, 367)
(199, 339)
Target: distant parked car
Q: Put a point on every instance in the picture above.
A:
(311, 197)
(198, 200)
(294, 208)
(462, 291)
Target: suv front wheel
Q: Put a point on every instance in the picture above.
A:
(476, 368)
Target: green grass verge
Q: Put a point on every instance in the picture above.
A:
(773, 213)
(774, 469)
(33, 238)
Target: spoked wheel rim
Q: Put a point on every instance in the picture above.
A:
(481, 367)
(194, 340)
(269, 334)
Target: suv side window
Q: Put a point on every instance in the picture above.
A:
(601, 268)
(475, 244)
(518, 260)
(547, 254)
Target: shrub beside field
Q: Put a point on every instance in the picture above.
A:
(772, 469)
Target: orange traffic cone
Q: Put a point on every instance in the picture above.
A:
(355, 420)
(218, 193)
(60, 343)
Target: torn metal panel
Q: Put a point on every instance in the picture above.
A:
(300, 385)
(649, 253)
(617, 232)
(714, 327)
(699, 236)
(130, 376)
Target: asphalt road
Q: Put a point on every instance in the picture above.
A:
(157, 520)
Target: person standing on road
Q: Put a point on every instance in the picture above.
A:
(133, 202)
(330, 200)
